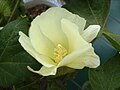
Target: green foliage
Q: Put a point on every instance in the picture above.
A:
(94, 11)
(29, 84)
(86, 86)
(114, 39)
(107, 76)
(59, 82)
(13, 59)
(10, 10)
(56, 84)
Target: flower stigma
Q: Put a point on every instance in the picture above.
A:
(59, 53)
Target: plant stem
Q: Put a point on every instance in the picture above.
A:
(13, 12)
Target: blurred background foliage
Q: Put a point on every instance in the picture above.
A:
(10, 10)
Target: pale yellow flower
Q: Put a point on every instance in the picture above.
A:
(57, 38)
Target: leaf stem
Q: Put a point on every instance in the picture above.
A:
(104, 24)
(103, 27)
(13, 12)
(76, 84)
(92, 12)
(30, 83)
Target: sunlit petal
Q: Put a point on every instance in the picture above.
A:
(70, 29)
(50, 27)
(26, 44)
(86, 59)
(91, 32)
(45, 71)
(40, 42)
(79, 53)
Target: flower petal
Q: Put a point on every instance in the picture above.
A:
(26, 44)
(80, 22)
(80, 58)
(50, 21)
(70, 29)
(50, 27)
(45, 71)
(91, 32)
(40, 42)
(86, 59)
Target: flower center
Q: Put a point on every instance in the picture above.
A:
(59, 53)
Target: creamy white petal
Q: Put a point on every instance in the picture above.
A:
(76, 65)
(26, 44)
(50, 20)
(79, 21)
(74, 55)
(40, 42)
(45, 71)
(70, 29)
(74, 18)
(93, 61)
(91, 32)
(50, 27)
(86, 59)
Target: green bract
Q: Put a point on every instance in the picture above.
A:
(57, 38)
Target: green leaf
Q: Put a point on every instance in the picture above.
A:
(56, 84)
(9, 10)
(114, 39)
(59, 82)
(5, 11)
(107, 76)
(86, 86)
(30, 84)
(13, 58)
(94, 11)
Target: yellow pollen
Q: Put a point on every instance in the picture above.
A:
(59, 53)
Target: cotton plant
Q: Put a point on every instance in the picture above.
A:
(58, 38)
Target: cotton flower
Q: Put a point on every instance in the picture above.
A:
(57, 38)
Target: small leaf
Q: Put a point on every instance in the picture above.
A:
(13, 58)
(114, 39)
(107, 76)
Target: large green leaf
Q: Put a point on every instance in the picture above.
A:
(94, 11)
(107, 76)
(13, 59)
(34, 83)
(113, 38)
